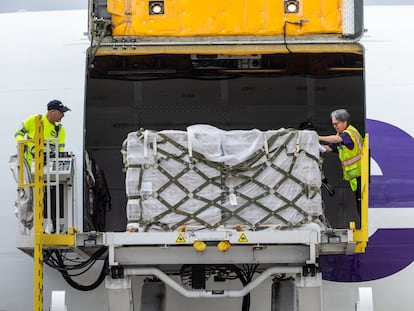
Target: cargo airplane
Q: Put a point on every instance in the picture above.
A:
(43, 56)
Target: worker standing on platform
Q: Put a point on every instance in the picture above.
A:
(348, 144)
(52, 128)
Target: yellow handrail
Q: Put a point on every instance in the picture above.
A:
(21, 145)
(41, 239)
(361, 235)
(38, 215)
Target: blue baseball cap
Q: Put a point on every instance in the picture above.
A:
(57, 105)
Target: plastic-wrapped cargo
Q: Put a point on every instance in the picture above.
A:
(210, 178)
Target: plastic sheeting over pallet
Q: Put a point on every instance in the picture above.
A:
(208, 178)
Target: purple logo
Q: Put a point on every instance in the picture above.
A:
(393, 150)
(389, 250)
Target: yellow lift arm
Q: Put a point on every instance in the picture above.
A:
(41, 239)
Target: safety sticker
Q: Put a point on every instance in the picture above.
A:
(243, 238)
(180, 239)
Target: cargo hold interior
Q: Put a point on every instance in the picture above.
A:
(172, 91)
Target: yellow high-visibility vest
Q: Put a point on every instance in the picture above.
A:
(351, 159)
(27, 131)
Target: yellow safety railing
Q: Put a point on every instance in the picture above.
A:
(41, 239)
(361, 235)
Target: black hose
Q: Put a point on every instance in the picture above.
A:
(92, 286)
(54, 259)
(244, 279)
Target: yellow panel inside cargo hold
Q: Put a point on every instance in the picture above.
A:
(224, 17)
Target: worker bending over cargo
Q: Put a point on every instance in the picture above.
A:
(348, 144)
(51, 125)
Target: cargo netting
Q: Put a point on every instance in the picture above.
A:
(207, 178)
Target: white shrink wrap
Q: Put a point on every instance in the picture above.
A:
(206, 177)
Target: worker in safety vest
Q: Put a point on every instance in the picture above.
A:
(52, 128)
(348, 144)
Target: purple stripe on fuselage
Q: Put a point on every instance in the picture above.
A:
(393, 150)
(388, 251)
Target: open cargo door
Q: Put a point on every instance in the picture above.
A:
(268, 90)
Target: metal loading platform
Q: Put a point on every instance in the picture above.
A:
(292, 253)
(161, 256)
(297, 247)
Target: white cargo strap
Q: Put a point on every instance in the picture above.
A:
(190, 146)
(266, 146)
(88, 167)
(297, 143)
(154, 147)
(146, 144)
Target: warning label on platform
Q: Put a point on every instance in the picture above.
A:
(180, 239)
(243, 238)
